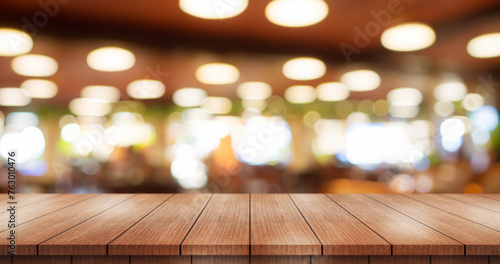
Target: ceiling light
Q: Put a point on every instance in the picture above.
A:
(304, 68)
(217, 73)
(213, 9)
(485, 46)
(14, 42)
(13, 97)
(146, 89)
(189, 97)
(296, 13)
(217, 105)
(104, 92)
(34, 65)
(111, 59)
(361, 80)
(472, 101)
(404, 111)
(408, 37)
(404, 96)
(89, 107)
(300, 94)
(254, 90)
(450, 91)
(332, 91)
(39, 88)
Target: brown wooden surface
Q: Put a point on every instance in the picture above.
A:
(33, 233)
(345, 235)
(162, 231)
(222, 229)
(459, 260)
(27, 199)
(480, 201)
(229, 227)
(407, 236)
(281, 259)
(93, 236)
(220, 260)
(45, 207)
(278, 228)
(339, 260)
(478, 239)
(160, 260)
(400, 260)
(100, 260)
(42, 260)
(494, 259)
(494, 196)
(474, 213)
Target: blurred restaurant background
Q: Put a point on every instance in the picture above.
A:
(257, 96)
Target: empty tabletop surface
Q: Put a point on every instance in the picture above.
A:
(254, 224)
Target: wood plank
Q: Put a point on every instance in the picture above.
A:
(221, 260)
(160, 260)
(42, 208)
(494, 259)
(476, 200)
(400, 260)
(339, 232)
(100, 260)
(93, 236)
(42, 259)
(31, 234)
(478, 239)
(280, 259)
(407, 236)
(339, 260)
(29, 199)
(479, 215)
(459, 259)
(278, 228)
(222, 229)
(495, 196)
(5, 259)
(162, 231)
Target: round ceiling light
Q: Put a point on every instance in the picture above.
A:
(361, 80)
(34, 65)
(14, 42)
(485, 46)
(110, 59)
(146, 89)
(408, 37)
(213, 9)
(217, 73)
(39, 88)
(304, 69)
(296, 13)
(13, 97)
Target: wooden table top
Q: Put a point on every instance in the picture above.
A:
(256, 224)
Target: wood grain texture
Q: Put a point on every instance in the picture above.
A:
(48, 206)
(495, 196)
(478, 239)
(220, 260)
(160, 260)
(93, 236)
(479, 215)
(480, 201)
(162, 231)
(222, 229)
(281, 259)
(400, 260)
(459, 260)
(100, 260)
(28, 199)
(339, 260)
(42, 260)
(5, 259)
(31, 234)
(339, 232)
(494, 259)
(278, 228)
(407, 236)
